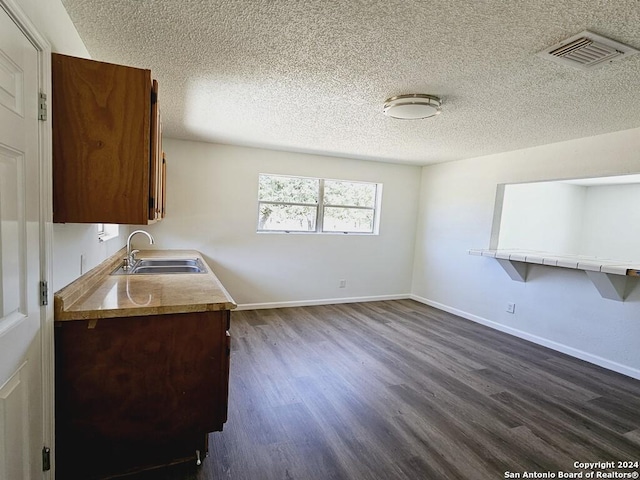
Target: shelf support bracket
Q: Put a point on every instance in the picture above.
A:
(609, 286)
(516, 270)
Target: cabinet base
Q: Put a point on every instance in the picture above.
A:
(100, 461)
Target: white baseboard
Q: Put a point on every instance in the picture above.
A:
(326, 301)
(559, 347)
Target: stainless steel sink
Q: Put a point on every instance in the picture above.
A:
(168, 262)
(158, 266)
(167, 269)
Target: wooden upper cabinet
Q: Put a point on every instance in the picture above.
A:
(107, 143)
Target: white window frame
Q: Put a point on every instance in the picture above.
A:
(107, 231)
(320, 206)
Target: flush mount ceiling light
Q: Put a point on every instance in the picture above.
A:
(412, 107)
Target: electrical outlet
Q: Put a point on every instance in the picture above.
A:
(511, 308)
(343, 283)
(83, 263)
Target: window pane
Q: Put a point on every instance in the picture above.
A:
(290, 218)
(352, 194)
(275, 188)
(347, 220)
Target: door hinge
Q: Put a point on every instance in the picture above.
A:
(44, 293)
(42, 106)
(46, 459)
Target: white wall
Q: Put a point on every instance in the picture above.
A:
(612, 222)
(212, 207)
(557, 307)
(542, 216)
(69, 241)
(53, 22)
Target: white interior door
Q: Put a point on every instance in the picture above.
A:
(21, 390)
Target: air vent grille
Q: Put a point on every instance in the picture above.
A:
(587, 50)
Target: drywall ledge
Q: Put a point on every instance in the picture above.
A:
(610, 277)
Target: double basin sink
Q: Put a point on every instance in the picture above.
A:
(150, 266)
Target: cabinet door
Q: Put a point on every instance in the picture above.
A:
(138, 391)
(101, 119)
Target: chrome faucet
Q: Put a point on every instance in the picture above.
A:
(130, 259)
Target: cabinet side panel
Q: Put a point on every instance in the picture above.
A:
(101, 140)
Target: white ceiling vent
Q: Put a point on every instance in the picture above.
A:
(587, 50)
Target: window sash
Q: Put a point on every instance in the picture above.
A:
(355, 207)
(370, 230)
(375, 194)
(290, 228)
(286, 178)
(295, 204)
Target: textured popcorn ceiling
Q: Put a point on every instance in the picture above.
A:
(312, 75)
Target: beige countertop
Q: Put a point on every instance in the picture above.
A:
(98, 294)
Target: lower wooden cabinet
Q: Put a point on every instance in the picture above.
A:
(138, 392)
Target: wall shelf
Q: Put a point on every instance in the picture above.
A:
(608, 276)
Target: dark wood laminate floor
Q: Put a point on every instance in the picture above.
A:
(399, 390)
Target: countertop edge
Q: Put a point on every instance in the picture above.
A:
(143, 312)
